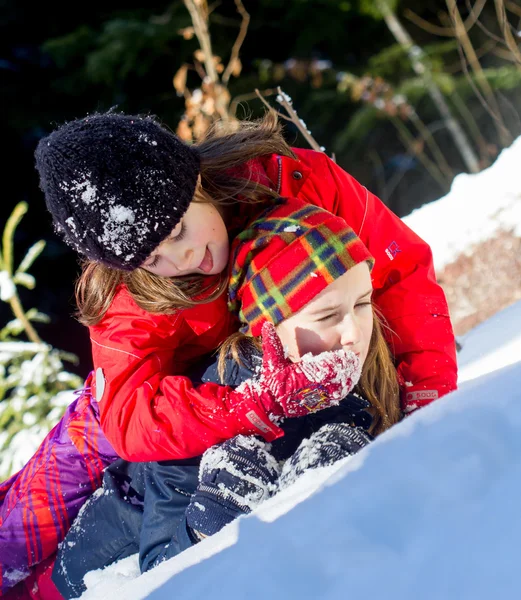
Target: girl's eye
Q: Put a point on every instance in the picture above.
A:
(180, 235)
(154, 262)
(361, 304)
(326, 318)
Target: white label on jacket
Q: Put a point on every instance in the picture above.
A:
(100, 383)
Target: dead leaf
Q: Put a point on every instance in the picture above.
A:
(184, 131)
(201, 125)
(237, 67)
(179, 80)
(187, 33)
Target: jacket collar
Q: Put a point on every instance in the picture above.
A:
(286, 175)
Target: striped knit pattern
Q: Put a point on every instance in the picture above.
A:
(285, 258)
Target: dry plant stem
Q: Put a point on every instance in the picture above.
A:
(490, 46)
(485, 29)
(199, 16)
(491, 103)
(416, 56)
(238, 42)
(504, 54)
(408, 142)
(472, 125)
(445, 31)
(513, 7)
(244, 97)
(268, 105)
(293, 117)
(432, 144)
(507, 33)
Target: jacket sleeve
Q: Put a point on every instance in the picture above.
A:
(406, 291)
(149, 411)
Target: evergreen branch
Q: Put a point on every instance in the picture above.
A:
(7, 238)
(32, 254)
(14, 300)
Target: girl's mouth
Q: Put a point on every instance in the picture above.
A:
(207, 263)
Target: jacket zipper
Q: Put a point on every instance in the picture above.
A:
(279, 177)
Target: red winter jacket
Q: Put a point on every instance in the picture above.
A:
(150, 411)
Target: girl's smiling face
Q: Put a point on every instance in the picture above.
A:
(198, 244)
(341, 316)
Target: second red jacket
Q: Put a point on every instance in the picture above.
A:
(150, 411)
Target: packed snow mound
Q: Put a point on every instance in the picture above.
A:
(429, 510)
(476, 207)
(433, 513)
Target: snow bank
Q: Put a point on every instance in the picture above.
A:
(474, 209)
(433, 513)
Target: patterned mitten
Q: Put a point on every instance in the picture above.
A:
(326, 446)
(234, 478)
(292, 389)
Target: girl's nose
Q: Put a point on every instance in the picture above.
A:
(350, 332)
(185, 261)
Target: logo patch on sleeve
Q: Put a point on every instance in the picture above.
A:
(421, 396)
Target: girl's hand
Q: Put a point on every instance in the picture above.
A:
(292, 389)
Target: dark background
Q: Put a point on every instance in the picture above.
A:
(61, 63)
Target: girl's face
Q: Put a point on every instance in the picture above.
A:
(198, 244)
(341, 316)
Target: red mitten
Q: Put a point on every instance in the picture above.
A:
(292, 389)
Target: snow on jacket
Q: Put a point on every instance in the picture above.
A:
(150, 411)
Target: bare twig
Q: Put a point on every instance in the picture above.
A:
(408, 141)
(238, 42)
(268, 105)
(421, 68)
(505, 28)
(490, 103)
(472, 126)
(513, 7)
(431, 143)
(504, 54)
(198, 10)
(245, 97)
(285, 101)
(488, 47)
(489, 33)
(445, 31)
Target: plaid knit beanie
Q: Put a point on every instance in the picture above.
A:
(287, 256)
(116, 185)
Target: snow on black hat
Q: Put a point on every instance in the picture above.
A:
(116, 185)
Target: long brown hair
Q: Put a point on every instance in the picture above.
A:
(378, 382)
(224, 182)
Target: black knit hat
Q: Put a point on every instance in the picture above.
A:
(116, 185)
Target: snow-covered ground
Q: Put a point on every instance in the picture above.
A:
(430, 510)
(476, 207)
